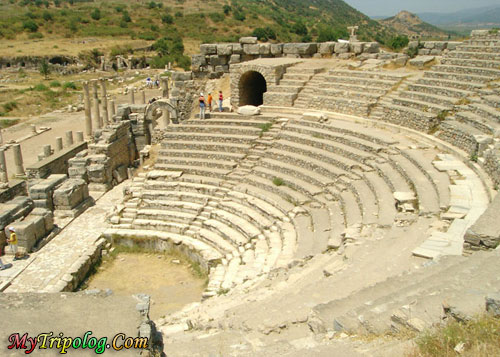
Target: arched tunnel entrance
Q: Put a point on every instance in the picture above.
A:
(252, 87)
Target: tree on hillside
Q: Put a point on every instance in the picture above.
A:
(44, 69)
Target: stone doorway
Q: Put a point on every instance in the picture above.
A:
(252, 87)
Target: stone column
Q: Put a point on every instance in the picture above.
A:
(166, 118)
(79, 136)
(132, 98)
(97, 119)
(112, 108)
(104, 99)
(33, 128)
(88, 110)
(41, 157)
(164, 84)
(69, 138)
(143, 96)
(59, 143)
(47, 150)
(1, 137)
(18, 159)
(3, 167)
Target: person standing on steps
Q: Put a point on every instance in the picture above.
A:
(209, 100)
(221, 98)
(202, 106)
(2, 266)
(13, 242)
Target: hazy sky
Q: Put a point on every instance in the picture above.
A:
(392, 7)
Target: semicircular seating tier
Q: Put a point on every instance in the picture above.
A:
(243, 196)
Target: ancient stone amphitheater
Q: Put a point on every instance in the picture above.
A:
(314, 217)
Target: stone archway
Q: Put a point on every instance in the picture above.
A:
(169, 111)
(251, 87)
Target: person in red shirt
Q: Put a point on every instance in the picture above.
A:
(220, 101)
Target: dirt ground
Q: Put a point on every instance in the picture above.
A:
(170, 285)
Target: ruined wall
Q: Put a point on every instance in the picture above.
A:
(56, 163)
(216, 59)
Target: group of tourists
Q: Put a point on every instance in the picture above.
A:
(152, 83)
(12, 241)
(208, 103)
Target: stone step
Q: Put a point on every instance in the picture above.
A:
(473, 78)
(202, 146)
(492, 100)
(283, 89)
(197, 170)
(297, 76)
(279, 99)
(201, 154)
(369, 82)
(440, 180)
(477, 121)
(292, 83)
(459, 134)
(486, 72)
(329, 133)
(160, 225)
(238, 121)
(352, 212)
(323, 172)
(268, 202)
(385, 199)
(345, 163)
(227, 232)
(368, 200)
(393, 178)
(293, 176)
(309, 92)
(481, 63)
(469, 86)
(186, 196)
(231, 273)
(179, 206)
(428, 98)
(486, 111)
(410, 117)
(235, 221)
(251, 214)
(263, 179)
(194, 129)
(488, 56)
(165, 215)
(167, 161)
(323, 83)
(427, 197)
(216, 240)
(440, 91)
(303, 70)
(335, 104)
(237, 117)
(193, 184)
(211, 137)
(426, 107)
(383, 75)
(451, 280)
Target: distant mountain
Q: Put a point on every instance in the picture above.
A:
(410, 24)
(477, 16)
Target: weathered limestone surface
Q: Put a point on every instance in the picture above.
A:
(485, 233)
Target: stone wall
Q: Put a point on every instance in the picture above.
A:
(433, 48)
(461, 139)
(110, 155)
(15, 188)
(271, 73)
(55, 164)
(485, 233)
(491, 164)
(216, 59)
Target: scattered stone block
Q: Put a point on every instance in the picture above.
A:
(249, 110)
(421, 61)
(248, 40)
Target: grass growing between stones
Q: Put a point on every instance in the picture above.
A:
(265, 127)
(277, 181)
(478, 337)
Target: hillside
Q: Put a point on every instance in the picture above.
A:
(193, 21)
(411, 25)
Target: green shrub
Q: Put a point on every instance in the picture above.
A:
(264, 34)
(35, 35)
(226, 9)
(30, 25)
(178, 14)
(96, 14)
(47, 16)
(54, 84)
(239, 15)
(299, 28)
(126, 17)
(10, 106)
(278, 181)
(167, 19)
(398, 42)
(216, 16)
(70, 85)
(265, 127)
(40, 87)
